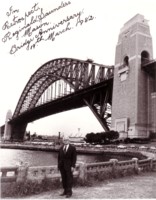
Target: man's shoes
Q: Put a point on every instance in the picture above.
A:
(63, 194)
(68, 195)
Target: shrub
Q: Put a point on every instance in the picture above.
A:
(102, 137)
(152, 135)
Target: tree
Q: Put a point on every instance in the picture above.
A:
(89, 137)
(27, 135)
(34, 135)
(102, 137)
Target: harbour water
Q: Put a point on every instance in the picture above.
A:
(12, 157)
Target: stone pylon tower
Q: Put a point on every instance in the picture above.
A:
(7, 129)
(132, 89)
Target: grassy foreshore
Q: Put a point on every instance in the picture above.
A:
(131, 187)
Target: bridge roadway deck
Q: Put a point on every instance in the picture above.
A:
(139, 186)
(68, 102)
(150, 68)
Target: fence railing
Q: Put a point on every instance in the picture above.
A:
(24, 172)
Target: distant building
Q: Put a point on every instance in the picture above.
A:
(47, 138)
(76, 139)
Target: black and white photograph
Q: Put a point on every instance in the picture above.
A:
(78, 99)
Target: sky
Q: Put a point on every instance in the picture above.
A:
(95, 39)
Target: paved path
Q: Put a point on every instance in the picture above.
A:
(139, 186)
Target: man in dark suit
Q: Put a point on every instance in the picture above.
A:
(66, 164)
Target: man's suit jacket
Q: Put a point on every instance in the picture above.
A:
(68, 159)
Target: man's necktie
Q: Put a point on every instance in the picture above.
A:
(65, 148)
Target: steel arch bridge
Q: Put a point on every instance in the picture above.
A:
(63, 84)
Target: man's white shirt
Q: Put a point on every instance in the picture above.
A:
(66, 147)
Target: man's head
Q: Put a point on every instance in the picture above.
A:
(66, 140)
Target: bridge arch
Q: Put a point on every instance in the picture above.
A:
(84, 77)
(77, 73)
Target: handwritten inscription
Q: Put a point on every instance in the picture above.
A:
(33, 27)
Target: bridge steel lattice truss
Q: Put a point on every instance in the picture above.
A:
(90, 85)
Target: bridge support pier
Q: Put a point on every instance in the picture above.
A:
(18, 132)
(132, 89)
(7, 129)
(153, 111)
